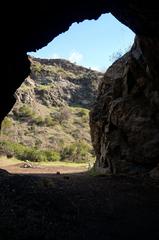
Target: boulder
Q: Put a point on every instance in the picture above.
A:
(125, 120)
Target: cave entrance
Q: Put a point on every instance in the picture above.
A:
(50, 120)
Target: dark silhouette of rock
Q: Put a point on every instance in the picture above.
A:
(125, 120)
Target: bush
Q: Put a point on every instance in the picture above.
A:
(34, 155)
(6, 126)
(52, 155)
(12, 149)
(36, 67)
(25, 112)
(76, 152)
(22, 152)
(49, 121)
(7, 123)
(38, 120)
(62, 115)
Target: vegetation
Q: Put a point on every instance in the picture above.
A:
(7, 124)
(24, 112)
(44, 127)
(62, 115)
(22, 152)
(118, 54)
(44, 87)
(69, 140)
(37, 68)
(76, 152)
(4, 161)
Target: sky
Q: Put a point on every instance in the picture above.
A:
(91, 43)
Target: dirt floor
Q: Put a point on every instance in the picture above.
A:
(38, 169)
(78, 206)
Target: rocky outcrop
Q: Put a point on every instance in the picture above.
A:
(125, 119)
(58, 82)
(26, 94)
(52, 106)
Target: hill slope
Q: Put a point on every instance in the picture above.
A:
(52, 107)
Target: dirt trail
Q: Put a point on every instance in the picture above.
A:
(18, 168)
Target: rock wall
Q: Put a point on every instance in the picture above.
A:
(125, 119)
(59, 82)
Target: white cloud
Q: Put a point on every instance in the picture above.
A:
(75, 57)
(95, 68)
(99, 69)
(55, 55)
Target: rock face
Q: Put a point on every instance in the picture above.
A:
(52, 106)
(125, 119)
(58, 82)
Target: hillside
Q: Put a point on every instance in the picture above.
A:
(52, 110)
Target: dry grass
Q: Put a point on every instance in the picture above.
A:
(4, 161)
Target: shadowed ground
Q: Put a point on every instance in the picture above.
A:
(78, 206)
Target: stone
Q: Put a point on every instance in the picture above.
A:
(27, 164)
(154, 173)
(124, 121)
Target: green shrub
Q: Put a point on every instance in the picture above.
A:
(52, 155)
(22, 152)
(25, 112)
(76, 152)
(38, 120)
(7, 123)
(85, 119)
(12, 149)
(43, 87)
(6, 126)
(49, 121)
(34, 155)
(36, 67)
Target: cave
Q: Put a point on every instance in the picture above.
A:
(38, 120)
(28, 26)
(29, 32)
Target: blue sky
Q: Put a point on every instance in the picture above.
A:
(90, 43)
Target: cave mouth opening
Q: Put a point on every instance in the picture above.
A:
(50, 120)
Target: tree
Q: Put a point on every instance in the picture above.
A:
(118, 54)
(115, 56)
